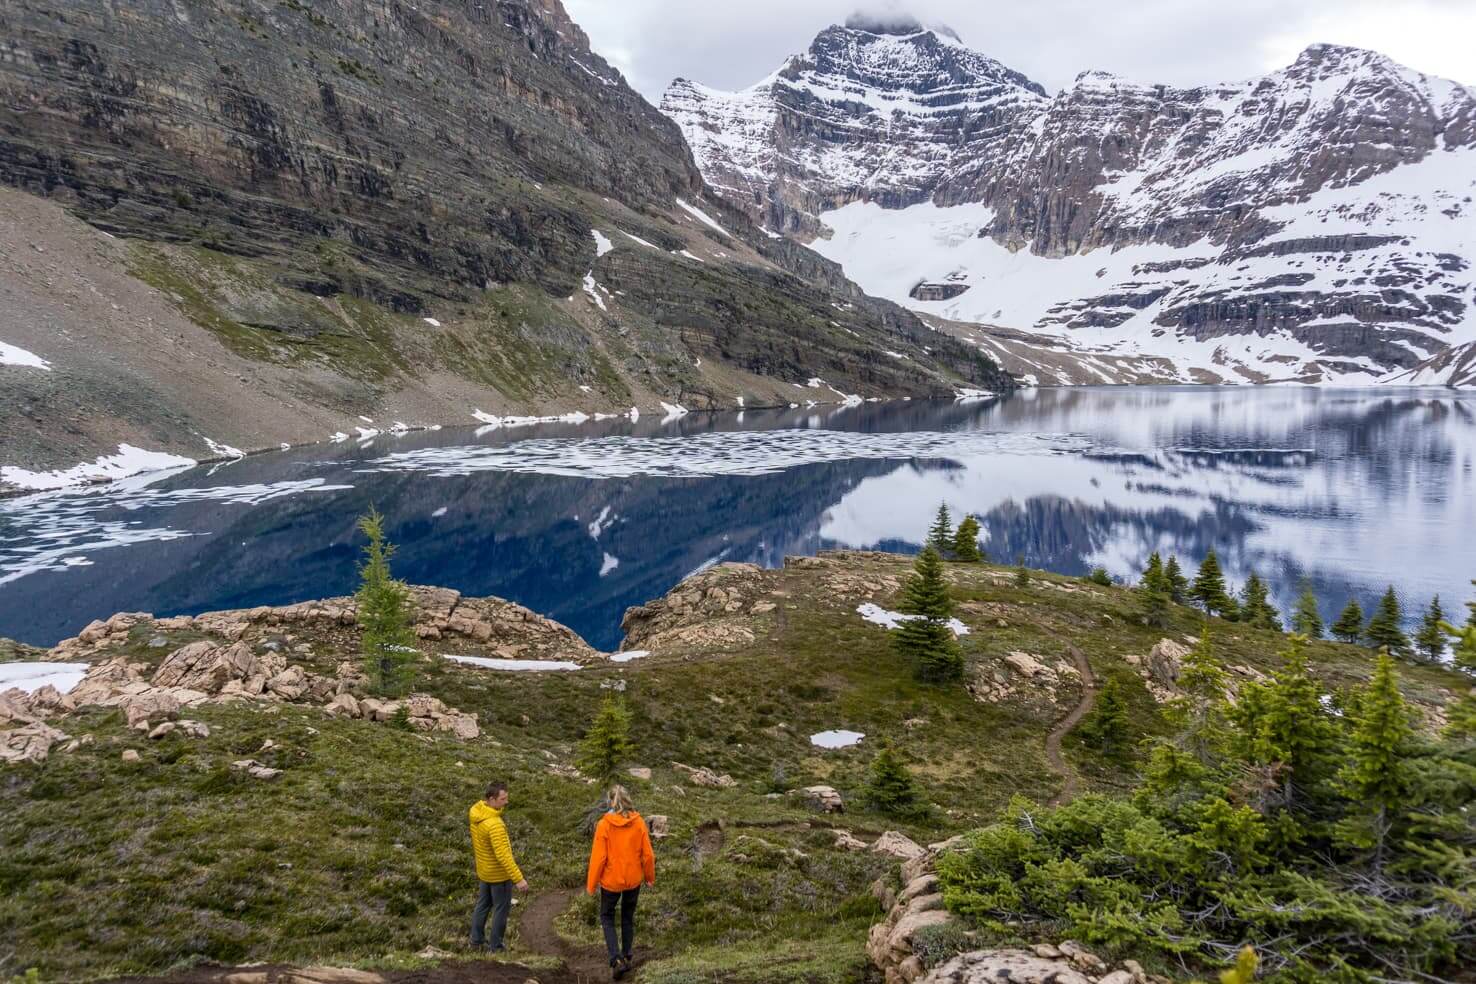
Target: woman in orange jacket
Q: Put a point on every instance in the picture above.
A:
(619, 863)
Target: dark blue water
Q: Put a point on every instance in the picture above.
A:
(1352, 490)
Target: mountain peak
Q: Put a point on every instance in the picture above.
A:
(884, 22)
(896, 23)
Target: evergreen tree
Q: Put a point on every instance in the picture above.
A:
(1154, 600)
(1349, 626)
(607, 745)
(891, 789)
(926, 639)
(1430, 639)
(1022, 574)
(1153, 574)
(940, 536)
(385, 639)
(1177, 582)
(966, 541)
(1375, 777)
(1105, 727)
(1283, 725)
(1257, 609)
(1209, 587)
(1384, 630)
(1461, 715)
(1307, 619)
(1100, 576)
(1200, 713)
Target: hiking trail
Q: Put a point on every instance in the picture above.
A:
(537, 932)
(1069, 779)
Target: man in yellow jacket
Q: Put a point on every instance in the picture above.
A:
(497, 872)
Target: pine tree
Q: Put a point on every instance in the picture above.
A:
(1200, 712)
(1429, 641)
(1154, 600)
(1100, 576)
(1177, 582)
(1307, 619)
(1209, 587)
(1022, 574)
(891, 789)
(1257, 609)
(1461, 715)
(1375, 778)
(1153, 574)
(1349, 626)
(940, 536)
(1282, 723)
(385, 639)
(1384, 630)
(1105, 728)
(926, 639)
(607, 745)
(966, 541)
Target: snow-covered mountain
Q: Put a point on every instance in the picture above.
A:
(1315, 224)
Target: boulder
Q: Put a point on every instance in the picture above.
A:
(255, 769)
(463, 726)
(150, 703)
(658, 825)
(921, 885)
(994, 966)
(290, 684)
(344, 705)
(1082, 957)
(424, 706)
(194, 729)
(847, 841)
(1164, 661)
(48, 698)
(29, 743)
(206, 667)
(15, 709)
(898, 845)
(1117, 977)
(639, 772)
(129, 755)
(705, 777)
(823, 798)
(163, 729)
(899, 938)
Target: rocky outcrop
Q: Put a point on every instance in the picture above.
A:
(1310, 225)
(900, 946)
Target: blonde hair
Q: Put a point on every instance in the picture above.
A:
(618, 800)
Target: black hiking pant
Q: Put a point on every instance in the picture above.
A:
(627, 902)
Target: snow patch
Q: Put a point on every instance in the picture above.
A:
(432, 322)
(12, 355)
(878, 615)
(608, 564)
(31, 677)
(602, 244)
(702, 216)
(515, 665)
(128, 461)
(836, 739)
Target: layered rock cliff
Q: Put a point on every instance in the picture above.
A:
(1314, 224)
(401, 211)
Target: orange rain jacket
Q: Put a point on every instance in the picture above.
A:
(621, 858)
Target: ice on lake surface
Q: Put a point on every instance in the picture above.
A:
(1350, 489)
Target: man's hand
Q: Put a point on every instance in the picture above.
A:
(650, 884)
(522, 886)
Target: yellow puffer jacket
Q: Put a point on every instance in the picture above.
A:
(489, 842)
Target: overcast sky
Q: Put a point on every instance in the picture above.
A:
(731, 44)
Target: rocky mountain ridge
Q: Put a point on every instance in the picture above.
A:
(1312, 225)
(411, 212)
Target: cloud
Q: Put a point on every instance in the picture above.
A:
(1177, 42)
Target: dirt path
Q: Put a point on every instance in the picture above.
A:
(537, 932)
(1069, 779)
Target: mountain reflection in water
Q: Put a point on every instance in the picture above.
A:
(1350, 489)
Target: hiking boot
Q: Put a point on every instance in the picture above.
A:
(618, 967)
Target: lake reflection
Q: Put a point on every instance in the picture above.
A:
(1350, 489)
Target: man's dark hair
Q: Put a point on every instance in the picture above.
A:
(495, 790)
